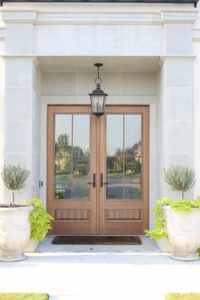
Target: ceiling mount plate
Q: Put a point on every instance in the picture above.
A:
(98, 65)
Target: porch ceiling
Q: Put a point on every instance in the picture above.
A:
(86, 64)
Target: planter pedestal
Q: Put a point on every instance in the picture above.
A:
(191, 257)
(14, 232)
(12, 256)
(183, 231)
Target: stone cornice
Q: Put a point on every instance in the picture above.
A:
(94, 15)
(22, 57)
(2, 33)
(19, 16)
(179, 16)
(175, 57)
(196, 34)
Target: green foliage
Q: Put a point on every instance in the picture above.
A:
(39, 218)
(14, 177)
(182, 296)
(198, 252)
(24, 296)
(159, 220)
(185, 205)
(179, 178)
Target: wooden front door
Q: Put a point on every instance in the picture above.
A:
(98, 170)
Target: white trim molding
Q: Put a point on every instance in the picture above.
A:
(22, 57)
(175, 57)
(19, 16)
(2, 33)
(175, 16)
(97, 14)
(196, 34)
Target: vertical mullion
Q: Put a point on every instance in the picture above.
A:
(123, 157)
(72, 163)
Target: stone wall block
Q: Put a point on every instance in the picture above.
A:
(19, 38)
(19, 73)
(18, 104)
(179, 103)
(178, 38)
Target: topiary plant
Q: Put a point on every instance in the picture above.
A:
(14, 178)
(179, 178)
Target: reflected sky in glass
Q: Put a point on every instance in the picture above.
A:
(63, 125)
(82, 133)
(114, 134)
(132, 131)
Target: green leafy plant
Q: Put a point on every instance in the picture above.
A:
(179, 178)
(14, 178)
(185, 206)
(39, 218)
(159, 220)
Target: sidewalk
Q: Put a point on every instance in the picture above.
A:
(118, 273)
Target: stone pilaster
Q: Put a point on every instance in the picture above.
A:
(175, 125)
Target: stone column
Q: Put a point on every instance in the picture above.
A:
(175, 126)
(20, 102)
(21, 122)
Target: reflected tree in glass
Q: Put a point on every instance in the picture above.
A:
(80, 188)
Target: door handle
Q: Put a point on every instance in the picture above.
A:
(101, 180)
(94, 180)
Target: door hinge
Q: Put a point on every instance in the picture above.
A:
(40, 183)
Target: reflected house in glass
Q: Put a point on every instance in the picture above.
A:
(100, 175)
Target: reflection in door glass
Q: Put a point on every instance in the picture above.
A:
(132, 135)
(80, 188)
(132, 178)
(63, 178)
(114, 135)
(81, 138)
(63, 135)
(71, 156)
(124, 165)
(115, 177)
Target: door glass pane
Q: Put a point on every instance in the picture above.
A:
(81, 138)
(80, 187)
(114, 178)
(124, 134)
(114, 135)
(133, 135)
(63, 178)
(72, 167)
(63, 135)
(132, 178)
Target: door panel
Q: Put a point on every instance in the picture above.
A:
(124, 164)
(72, 202)
(111, 153)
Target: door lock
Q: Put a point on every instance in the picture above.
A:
(94, 181)
(101, 180)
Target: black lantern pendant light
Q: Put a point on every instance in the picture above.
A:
(98, 97)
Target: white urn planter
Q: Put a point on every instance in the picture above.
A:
(183, 231)
(14, 232)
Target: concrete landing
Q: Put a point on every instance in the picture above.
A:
(100, 274)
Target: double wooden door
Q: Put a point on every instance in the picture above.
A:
(98, 170)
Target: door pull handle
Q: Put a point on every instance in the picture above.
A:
(94, 181)
(101, 180)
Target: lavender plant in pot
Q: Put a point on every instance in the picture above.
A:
(14, 225)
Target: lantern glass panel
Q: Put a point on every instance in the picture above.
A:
(98, 103)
